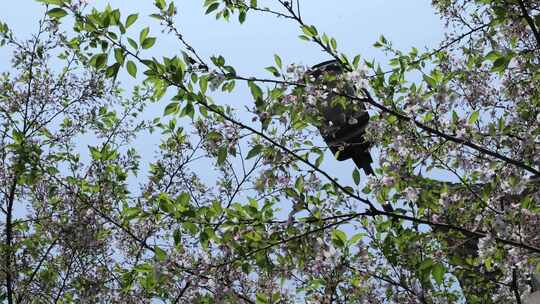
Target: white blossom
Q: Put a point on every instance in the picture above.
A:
(358, 77)
(486, 246)
(330, 252)
(499, 225)
(311, 100)
(215, 80)
(388, 180)
(412, 194)
(461, 132)
(445, 200)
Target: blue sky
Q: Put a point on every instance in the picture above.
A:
(355, 24)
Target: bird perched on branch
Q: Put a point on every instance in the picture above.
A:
(344, 120)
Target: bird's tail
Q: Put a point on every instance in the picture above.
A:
(363, 161)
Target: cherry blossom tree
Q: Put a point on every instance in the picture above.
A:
(271, 225)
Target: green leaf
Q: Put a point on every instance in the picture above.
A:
(166, 205)
(339, 237)
(188, 110)
(192, 228)
(171, 11)
(357, 237)
(254, 151)
(427, 117)
(184, 198)
(222, 155)
(131, 213)
(438, 272)
(455, 118)
(493, 55)
(299, 184)
(273, 70)
(391, 119)
(160, 4)
(100, 60)
(112, 70)
(177, 236)
(356, 60)
(356, 176)
(160, 254)
(212, 8)
(430, 81)
(426, 264)
(171, 108)
(143, 34)
(500, 64)
(148, 42)
(132, 68)
(95, 153)
(333, 43)
(203, 83)
(277, 59)
(319, 160)
(57, 13)
(255, 90)
(437, 76)
(261, 299)
(131, 19)
(310, 31)
(119, 55)
(474, 117)
(242, 17)
(132, 43)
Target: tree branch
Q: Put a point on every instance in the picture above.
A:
(530, 21)
(515, 287)
(9, 238)
(292, 238)
(181, 294)
(36, 269)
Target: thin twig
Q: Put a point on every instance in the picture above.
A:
(36, 269)
(515, 287)
(182, 292)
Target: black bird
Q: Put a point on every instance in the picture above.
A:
(344, 124)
